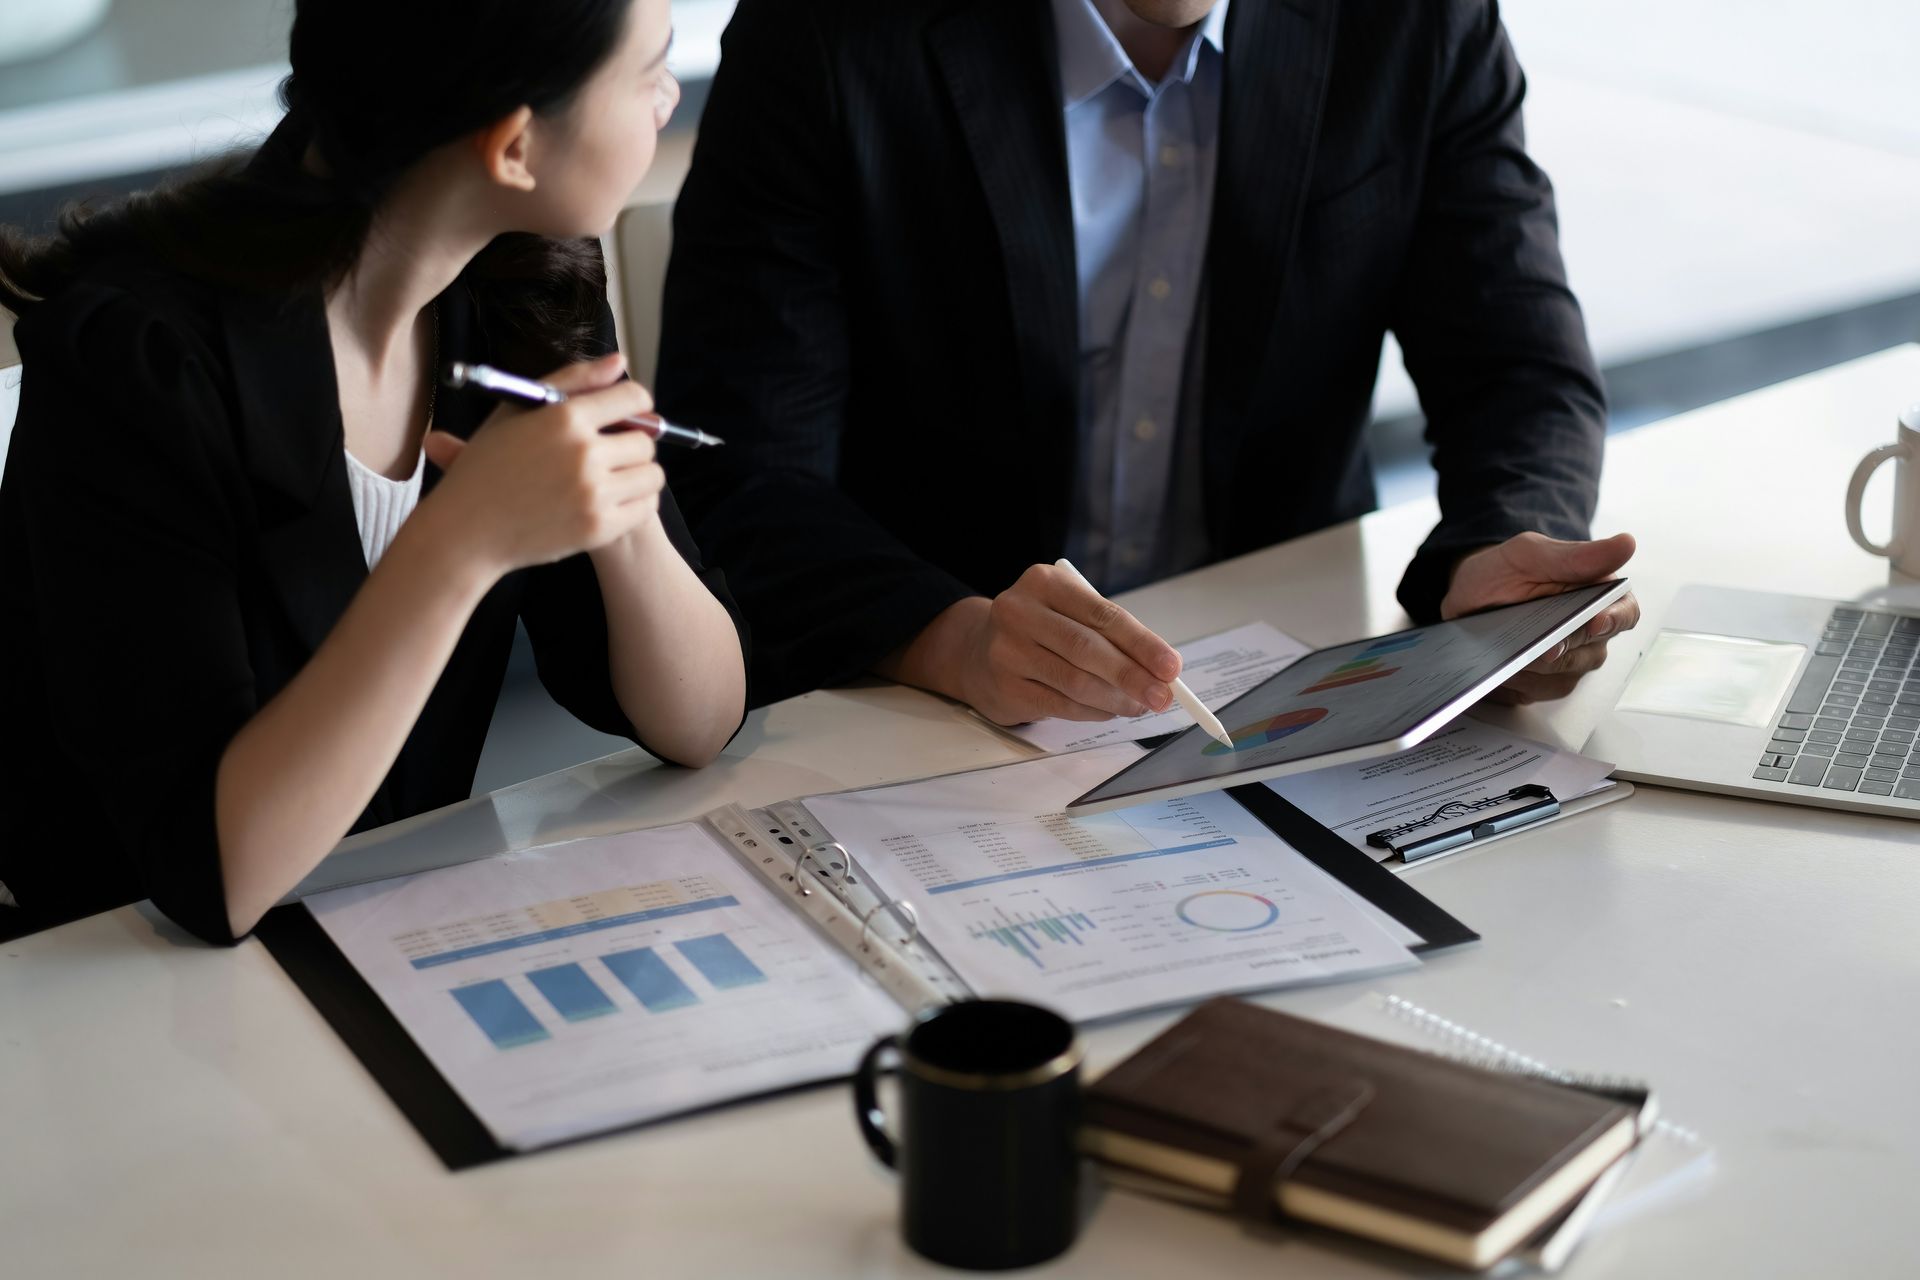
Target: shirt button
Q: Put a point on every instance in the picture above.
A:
(1160, 289)
(1169, 156)
(1145, 429)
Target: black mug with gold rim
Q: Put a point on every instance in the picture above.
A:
(989, 1109)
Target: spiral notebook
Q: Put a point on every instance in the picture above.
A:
(1672, 1162)
(553, 993)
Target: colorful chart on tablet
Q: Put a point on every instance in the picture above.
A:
(1368, 697)
(1271, 729)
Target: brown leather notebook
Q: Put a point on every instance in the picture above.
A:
(1256, 1110)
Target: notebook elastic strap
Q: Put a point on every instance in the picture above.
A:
(1296, 1136)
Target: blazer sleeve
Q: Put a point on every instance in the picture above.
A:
(132, 553)
(1493, 337)
(566, 616)
(755, 347)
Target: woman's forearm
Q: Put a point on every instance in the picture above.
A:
(673, 652)
(302, 770)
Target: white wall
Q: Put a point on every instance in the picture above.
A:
(1721, 167)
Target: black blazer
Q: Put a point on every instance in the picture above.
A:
(176, 539)
(872, 296)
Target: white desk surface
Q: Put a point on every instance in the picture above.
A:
(173, 1110)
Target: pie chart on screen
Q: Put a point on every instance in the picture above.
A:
(1261, 732)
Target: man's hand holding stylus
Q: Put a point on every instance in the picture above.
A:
(1049, 646)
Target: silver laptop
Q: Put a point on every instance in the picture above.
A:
(1776, 697)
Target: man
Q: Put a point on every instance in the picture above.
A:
(969, 285)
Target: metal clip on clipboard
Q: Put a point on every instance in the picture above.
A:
(1536, 804)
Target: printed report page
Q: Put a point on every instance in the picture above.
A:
(1094, 916)
(582, 986)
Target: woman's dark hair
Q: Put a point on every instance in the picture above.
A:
(376, 85)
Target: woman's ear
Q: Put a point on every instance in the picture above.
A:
(504, 150)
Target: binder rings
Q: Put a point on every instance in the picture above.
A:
(798, 859)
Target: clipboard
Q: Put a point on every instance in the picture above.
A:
(800, 861)
(1458, 825)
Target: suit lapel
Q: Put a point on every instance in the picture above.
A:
(289, 409)
(1278, 59)
(1000, 63)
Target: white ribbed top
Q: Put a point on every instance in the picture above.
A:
(380, 505)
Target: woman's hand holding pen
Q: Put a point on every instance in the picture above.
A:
(1048, 646)
(537, 485)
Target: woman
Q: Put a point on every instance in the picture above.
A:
(260, 576)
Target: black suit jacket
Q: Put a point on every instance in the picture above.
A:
(872, 296)
(177, 537)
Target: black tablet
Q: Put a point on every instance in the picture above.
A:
(1355, 701)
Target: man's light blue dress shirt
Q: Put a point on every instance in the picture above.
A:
(1140, 165)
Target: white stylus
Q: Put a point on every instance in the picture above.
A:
(1186, 697)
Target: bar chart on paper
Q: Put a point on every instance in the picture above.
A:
(1029, 934)
(574, 995)
(721, 962)
(500, 1014)
(577, 990)
(665, 977)
(656, 986)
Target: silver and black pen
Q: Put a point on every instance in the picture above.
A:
(527, 391)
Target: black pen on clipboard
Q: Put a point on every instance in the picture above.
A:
(520, 390)
(1537, 803)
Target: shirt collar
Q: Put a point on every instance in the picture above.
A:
(1091, 57)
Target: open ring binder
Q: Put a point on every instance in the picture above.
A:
(787, 849)
(833, 875)
(800, 856)
(899, 905)
(847, 911)
(836, 873)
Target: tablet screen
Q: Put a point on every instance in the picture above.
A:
(1355, 695)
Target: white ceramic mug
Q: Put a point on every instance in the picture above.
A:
(1903, 547)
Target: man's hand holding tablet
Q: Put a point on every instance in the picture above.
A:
(1530, 566)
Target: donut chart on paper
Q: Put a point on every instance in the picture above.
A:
(1227, 911)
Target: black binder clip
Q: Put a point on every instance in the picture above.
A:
(1536, 803)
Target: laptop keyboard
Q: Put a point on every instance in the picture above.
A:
(1852, 721)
